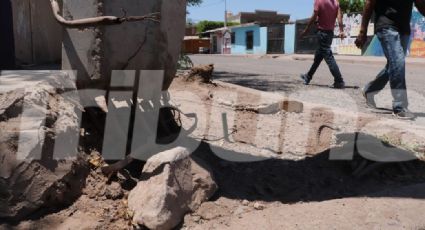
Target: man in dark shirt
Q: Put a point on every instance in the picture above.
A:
(392, 27)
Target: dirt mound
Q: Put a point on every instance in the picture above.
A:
(101, 204)
(203, 74)
(33, 173)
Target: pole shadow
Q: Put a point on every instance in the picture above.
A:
(312, 179)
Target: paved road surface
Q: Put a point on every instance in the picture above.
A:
(282, 75)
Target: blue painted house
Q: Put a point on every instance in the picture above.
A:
(249, 39)
(260, 32)
(263, 39)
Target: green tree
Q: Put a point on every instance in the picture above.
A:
(351, 6)
(194, 2)
(203, 26)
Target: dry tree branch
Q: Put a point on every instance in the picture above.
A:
(103, 20)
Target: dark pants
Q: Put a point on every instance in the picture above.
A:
(324, 52)
(7, 51)
(395, 49)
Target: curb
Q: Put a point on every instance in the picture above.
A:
(358, 59)
(412, 61)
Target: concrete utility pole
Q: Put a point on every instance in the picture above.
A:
(225, 13)
(226, 35)
(96, 51)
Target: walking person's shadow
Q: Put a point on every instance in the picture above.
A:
(330, 87)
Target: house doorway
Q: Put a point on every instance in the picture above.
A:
(275, 39)
(214, 45)
(249, 40)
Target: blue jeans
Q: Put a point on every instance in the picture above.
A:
(324, 52)
(395, 49)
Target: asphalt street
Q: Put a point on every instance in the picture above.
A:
(282, 76)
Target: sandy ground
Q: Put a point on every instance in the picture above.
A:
(271, 162)
(298, 187)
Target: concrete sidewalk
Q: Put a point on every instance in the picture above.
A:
(351, 59)
(310, 57)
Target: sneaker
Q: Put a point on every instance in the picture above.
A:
(370, 99)
(306, 79)
(339, 85)
(404, 114)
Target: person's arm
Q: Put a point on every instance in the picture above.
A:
(312, 20)
(367, 14)
(341, 24)
(420, 5)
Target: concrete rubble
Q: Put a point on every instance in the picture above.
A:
(34, 174)
(173, 184)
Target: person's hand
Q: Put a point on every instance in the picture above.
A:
(342, 35)
(361, 40)
(304, 33)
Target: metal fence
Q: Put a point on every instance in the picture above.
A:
(309, 43)
(275, 39)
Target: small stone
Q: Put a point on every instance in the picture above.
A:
(245, 203)
(258, 206)
(114, 191)
(240, 210)
(209, 211)
(196, 219)
(100, 190)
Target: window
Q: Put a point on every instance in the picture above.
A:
(249, 40)
(233, 39)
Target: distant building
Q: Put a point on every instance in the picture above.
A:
(195, 45)
(260, 32)
(259, 16)
(192, 43)
(261, 39)
(220, 40)
(249, 39)
(190, 31)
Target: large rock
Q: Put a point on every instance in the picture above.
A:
(31, 175)
(203, 183)
(172, 185)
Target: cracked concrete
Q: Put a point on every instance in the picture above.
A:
(95, 53)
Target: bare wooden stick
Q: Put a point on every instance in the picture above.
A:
(102, 20)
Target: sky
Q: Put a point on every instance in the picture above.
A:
(214, 9)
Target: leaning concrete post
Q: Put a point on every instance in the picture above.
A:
(94, 51)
